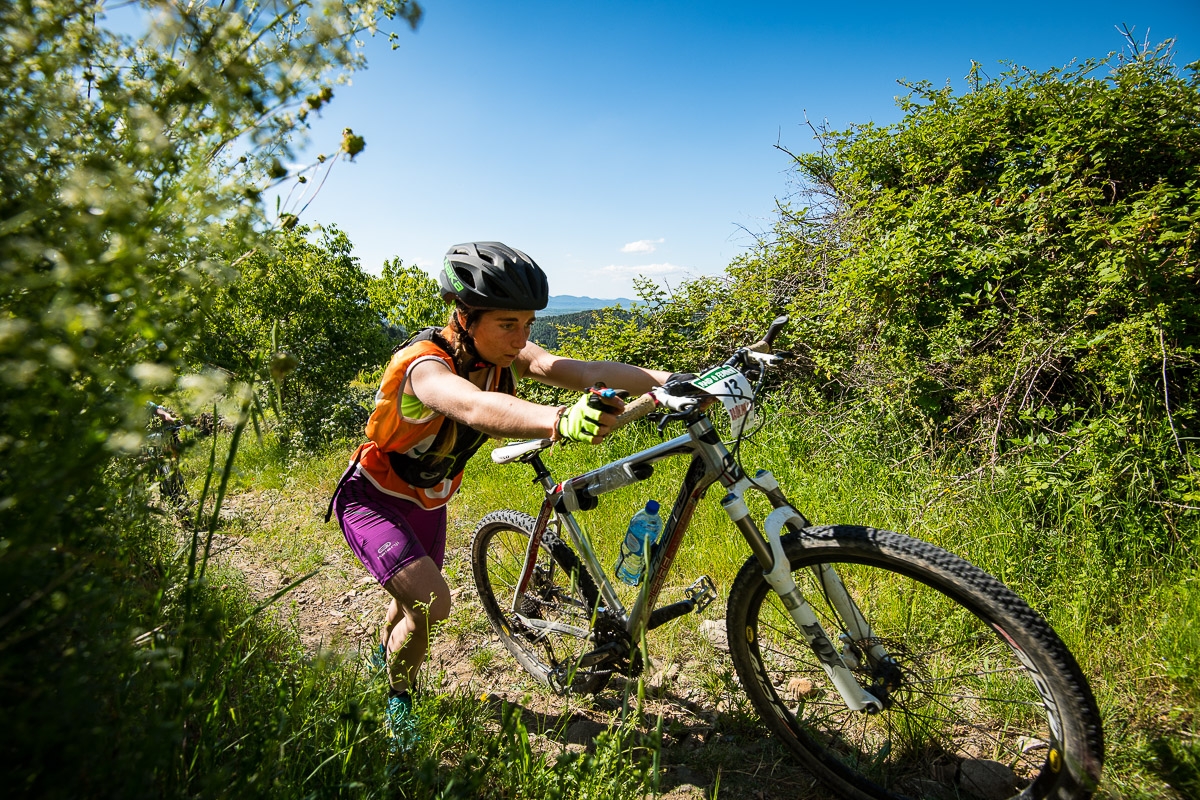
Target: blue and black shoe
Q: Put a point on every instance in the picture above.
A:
(402, 724)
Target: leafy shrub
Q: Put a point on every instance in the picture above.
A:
(407, 299)
(130, 169)
(308, 299)
(1031, 243)
(1006, 275)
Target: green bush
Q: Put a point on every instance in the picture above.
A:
(1030, 244)
(310, 300)
(407, 299)
(1006, 275)
(130, 169)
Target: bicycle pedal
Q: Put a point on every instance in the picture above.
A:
(701, 593)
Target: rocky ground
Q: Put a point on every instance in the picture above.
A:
(710, 738)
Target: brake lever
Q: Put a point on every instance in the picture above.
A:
(680, 409)
(666, 419)
(765, 359)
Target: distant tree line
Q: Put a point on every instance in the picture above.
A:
(547, 330)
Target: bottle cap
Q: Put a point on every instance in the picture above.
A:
(652, 506)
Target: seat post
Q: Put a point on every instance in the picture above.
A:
(541, 474)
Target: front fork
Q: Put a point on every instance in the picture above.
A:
(777, 571)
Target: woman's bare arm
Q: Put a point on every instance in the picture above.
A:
(569, 373)
(493, 413)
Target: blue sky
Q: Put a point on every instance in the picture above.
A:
(614, 139)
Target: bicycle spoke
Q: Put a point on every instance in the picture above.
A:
(936, 708)
(551, 627)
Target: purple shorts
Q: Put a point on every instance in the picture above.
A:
(388, 532)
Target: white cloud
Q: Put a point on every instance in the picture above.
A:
(642, 246)
(649, 270)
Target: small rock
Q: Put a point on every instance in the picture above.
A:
(584, 732)
(989, 780)
(714, 631)
(682, 783)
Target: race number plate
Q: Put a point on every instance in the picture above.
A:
(734, 392)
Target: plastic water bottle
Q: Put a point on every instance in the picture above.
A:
(643, 532)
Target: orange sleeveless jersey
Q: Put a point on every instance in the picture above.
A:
(390, 431)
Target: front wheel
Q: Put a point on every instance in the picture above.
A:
(549, 628)
(981, 697)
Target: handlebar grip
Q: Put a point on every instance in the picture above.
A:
(635, 410)
(764, 344)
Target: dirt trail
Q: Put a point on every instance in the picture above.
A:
(707, 736)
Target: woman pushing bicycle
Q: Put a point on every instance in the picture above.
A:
(443, 394)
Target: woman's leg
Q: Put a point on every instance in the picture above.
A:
(420, 600)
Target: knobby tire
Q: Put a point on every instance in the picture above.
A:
(981, 694)
(561, 591)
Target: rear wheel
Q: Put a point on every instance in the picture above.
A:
(171, 486)
(550, 627)
(982, 699)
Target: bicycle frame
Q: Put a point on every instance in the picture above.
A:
(711, 463)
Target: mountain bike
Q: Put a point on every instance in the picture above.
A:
(160, 457)
(890, 667)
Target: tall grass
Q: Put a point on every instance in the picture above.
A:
(1122, 588)
(274, 721)
(151, 684)
(254, 715)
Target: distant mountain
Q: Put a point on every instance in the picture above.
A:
(570, 304)
(545, 329)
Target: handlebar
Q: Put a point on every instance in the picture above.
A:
(655, 398)
(637, 409)
(757, 354)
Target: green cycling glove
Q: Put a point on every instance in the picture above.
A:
(581, 421)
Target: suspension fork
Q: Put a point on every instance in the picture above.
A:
(768, 549)
(827, 577)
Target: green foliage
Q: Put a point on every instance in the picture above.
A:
(690, 328)
(547, 330)
(503, 764)
(1009, 274)
(407, 298)
(129, 170)
(308, 299)
(686, 330)
(663, 331)
(660, 328)
(1031, 243)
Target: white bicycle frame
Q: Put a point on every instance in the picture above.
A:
(711, 462)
